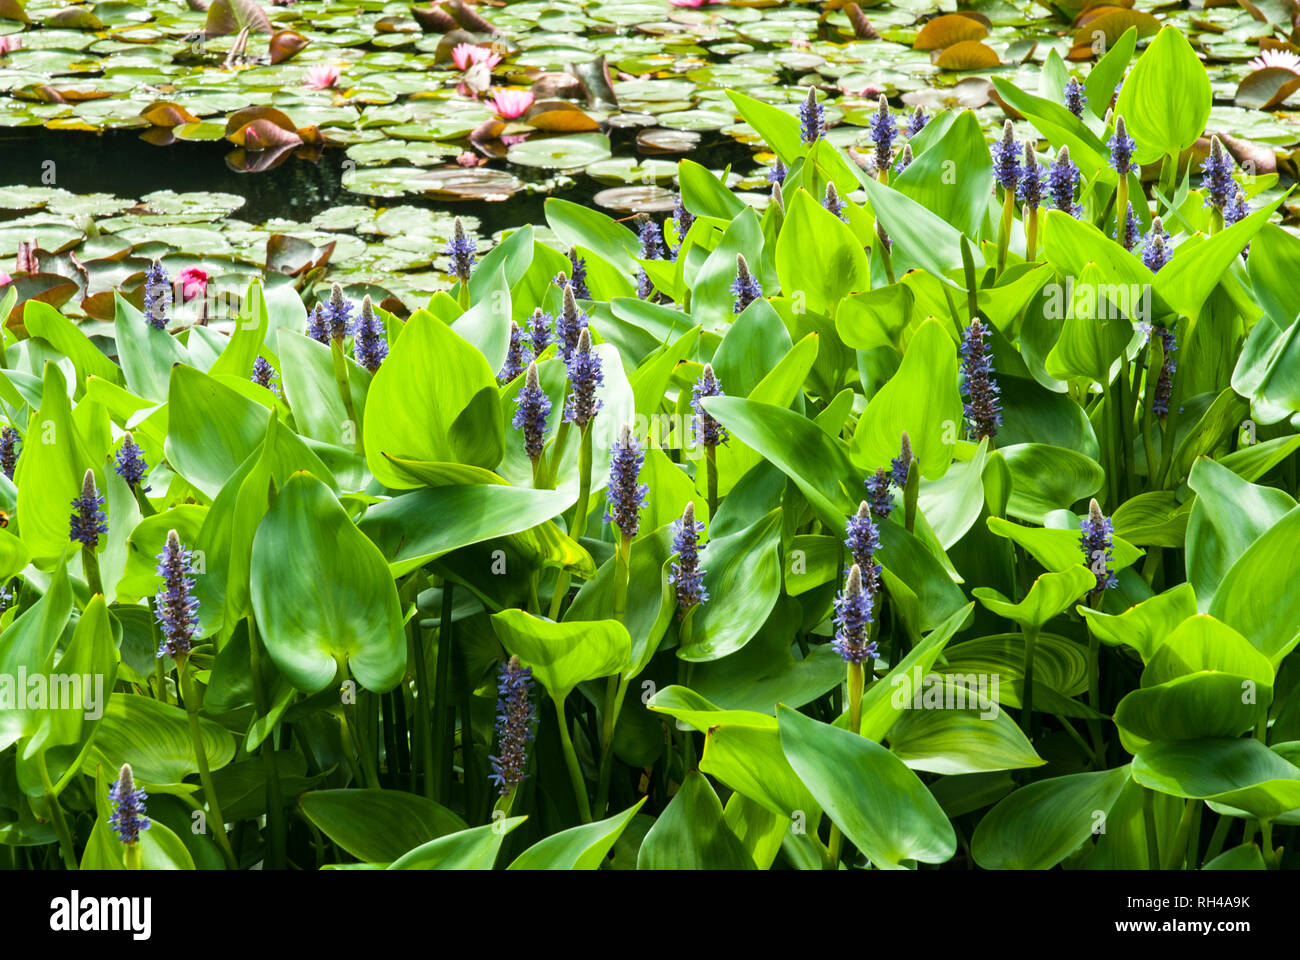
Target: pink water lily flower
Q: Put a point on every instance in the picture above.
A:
(690, 3)
(323, 76)
(8, 45)
(465, 54)
(5, 279)
(1276, 58)
(193, 282)
(511, 104)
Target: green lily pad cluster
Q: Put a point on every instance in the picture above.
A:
(933, 509)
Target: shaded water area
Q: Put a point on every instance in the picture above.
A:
(118, 162)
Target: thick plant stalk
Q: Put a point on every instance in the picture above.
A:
(274, 804)
(201, 756)
(345, 390)
(1004, 233)
(57, 818)
(571, 761)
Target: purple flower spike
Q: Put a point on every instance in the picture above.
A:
(264, 375)
(853, 613)
(1132, 230)
(1029, 188)
(746, 287)
(917, 121)
(585, 376)
(539, 331)
(833, 203)
(157, 295)
(338, 314)
(129, 464)
(883, 129)
(177, 607)
(317, 328)
(1165, 382)
(686, 574)
(624, 496)
(1097, 543)
(460, 251)
(707, 430)
(863, 541)
(983, 405)
(578, 277)
(571, 324)
(901, 465)
(812, 118)
(1121, 149)
(1006, 159)
(777, 172)
(518, 356)
(9, 444)
(652, 248)
(1218, 183)
(88, 520)
(904, 158)
(1155, 247)
(878, 495)
(1075, 98)
(128, 816)
(683, 218)
(514, 725)
(369, 344)
(532, 407)
(1062, 181)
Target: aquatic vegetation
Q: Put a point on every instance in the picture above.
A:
(917, 484)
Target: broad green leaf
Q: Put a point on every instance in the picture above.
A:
(378, 826)
(881, 806)
(322, 593)
(578, 848)
(1041, 824)
(473, 849)
(692, 834)
(1165, 99)
(563, 655)
(1243, 774)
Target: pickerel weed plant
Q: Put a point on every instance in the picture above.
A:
(937, 494)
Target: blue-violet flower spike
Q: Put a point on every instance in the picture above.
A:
(128, 816)
(370, 343)
(983, 404)
(9, 444)
(853, 613)
(460, 251)
(88, 520)
(514, 725)
(177, 607)
(518, 356)
(129, 464)
(1097, 543)
(624, 497)
(686, 574)
(585, 376)
(745, 287)
(708, 431)
(532, 407)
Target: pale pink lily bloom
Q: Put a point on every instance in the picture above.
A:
(193, 282)
(1276, 58)
(8, 45)
(322, 76)
(5, 279)
(511, 104)
(693, 4)
(465, 54)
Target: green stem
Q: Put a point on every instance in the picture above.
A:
(886, 260)
(1031, 234)
(711, 479)
(146, 508)
(1027, 701)
(856, 684)
(1271, 858)
(571, 761)
(215, 820)
(437, 757)
(1126, 427)
(1149, 821)
(345, 391)
(1121, 208)
(968, 269)
(1217, 838)
(90, 566)
(1004, 233)
(1094, 687)
(60, 822)
(1179, 849)
(274, 803)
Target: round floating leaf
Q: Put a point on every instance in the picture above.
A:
(560, 153)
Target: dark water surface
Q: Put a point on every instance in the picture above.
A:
(120, 163)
